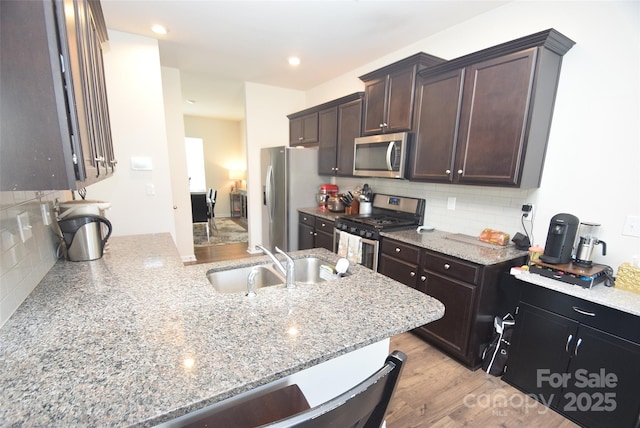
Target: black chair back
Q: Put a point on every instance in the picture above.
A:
(199, 208)
(363, 406)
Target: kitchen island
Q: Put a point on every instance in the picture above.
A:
(136, 338)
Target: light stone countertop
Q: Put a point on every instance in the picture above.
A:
(444, 242)
(137, 338)
(325, 214)
(612, 297)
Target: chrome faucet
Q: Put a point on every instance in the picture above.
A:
(288, 272)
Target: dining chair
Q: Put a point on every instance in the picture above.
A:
(200, 210)
(211, 204)
(363, 406)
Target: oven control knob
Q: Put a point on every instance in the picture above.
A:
(353, 230)
(363, 233)
(369, 235)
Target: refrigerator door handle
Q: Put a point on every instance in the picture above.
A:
(269, 191)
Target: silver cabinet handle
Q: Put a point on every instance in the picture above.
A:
(448, 172)
(459, 171)
(583, 312)
(412, 274)
(324, 225)
(310, 233)
(566, 347)
(300, 138)
(447, 266)
(397, 250)
(423, 278)
(577, 346)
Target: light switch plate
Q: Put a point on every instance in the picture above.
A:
(24, 226)
(632, 226)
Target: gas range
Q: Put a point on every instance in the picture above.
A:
(388, 213)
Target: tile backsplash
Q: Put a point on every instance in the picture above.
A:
(28, 246)
(475, 208)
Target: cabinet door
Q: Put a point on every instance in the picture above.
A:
(374, 105)
(349, 128)
(303, 129)
(452, 330)
(306, 238)
(400, 99)
(602, 389)
(493, 123)
(324, 240)
(437, 114)
(540, 348)
(327, 140)
(74, 33)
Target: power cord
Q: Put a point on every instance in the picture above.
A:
(525, 215)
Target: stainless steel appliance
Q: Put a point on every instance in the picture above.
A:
(288, 184)
(586, 243)
(388, 213)
(82, 236)
(560, 239)
(381, 155)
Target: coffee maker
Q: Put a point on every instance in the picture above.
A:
(586, 243)
(560, 239)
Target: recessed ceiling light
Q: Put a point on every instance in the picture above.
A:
(294, 61)
(159, 29)
(190, 101)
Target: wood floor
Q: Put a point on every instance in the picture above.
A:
(435, 390)
(217, 253)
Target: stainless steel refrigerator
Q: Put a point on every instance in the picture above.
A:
(290, 181)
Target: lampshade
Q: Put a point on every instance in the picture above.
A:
(236, 174)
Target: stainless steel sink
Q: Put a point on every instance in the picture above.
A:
(235, 280)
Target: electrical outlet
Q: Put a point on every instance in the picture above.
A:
(24, 226)
(528, 212)
(451, 203)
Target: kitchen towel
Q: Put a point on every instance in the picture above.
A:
(343, 243)
(354, 249)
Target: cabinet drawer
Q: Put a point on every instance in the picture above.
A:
(399, 270)
(401, 250)
(604, 318)
(451, 267)
(306, 219)
(324, 225)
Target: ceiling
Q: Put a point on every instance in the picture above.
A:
(218, 45)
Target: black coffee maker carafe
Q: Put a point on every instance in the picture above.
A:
(560, 239)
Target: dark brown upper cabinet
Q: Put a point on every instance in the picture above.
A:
(339, 125)
(484, 118)
(55, 132)
(390, 94)
(303, 127)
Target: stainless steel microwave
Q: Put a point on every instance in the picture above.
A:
(381, 155)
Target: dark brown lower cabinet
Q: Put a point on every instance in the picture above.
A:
(562, 355)
(451, 331)
(467, 290)
(314, 232)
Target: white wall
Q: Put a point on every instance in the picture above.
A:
(141, 200)
(178, 162)
(266, 110)
(591, 167)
